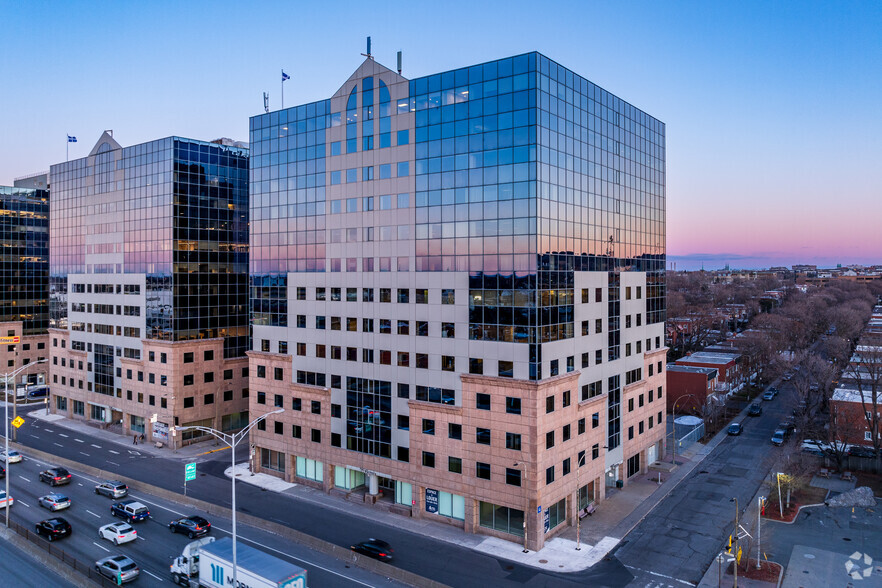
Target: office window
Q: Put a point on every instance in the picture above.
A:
(482, 436)
(513, 476)
(482, 470)
(404, 422)
(428, 459)
(549, 404)
(513, 441)
(454, 431)
(454, 464)
(549, 439)
(549, 475)
(506, 369)
(512, 405)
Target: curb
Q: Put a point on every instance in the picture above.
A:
(335, 551)
(798, 511)
(49, 561)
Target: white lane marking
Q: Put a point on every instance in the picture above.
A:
(93, 514)
(79, 440)
(23, 478)
(113, 452)
(297, 559)
(49, 430)
(154, 575)
(62, 435)
(95, 446)
(101, 546)
(114, 463)
(139, 499)
(86, 454)
(141, 538)
(58, 444)
(22, 503)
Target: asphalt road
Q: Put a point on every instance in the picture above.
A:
(678, 540)
(420, 554)
(156, 546)
(18, 568)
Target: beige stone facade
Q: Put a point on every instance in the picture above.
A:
(176, 383)
(29, 349)
(539, 433)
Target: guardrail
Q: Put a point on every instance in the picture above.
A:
(52, 549)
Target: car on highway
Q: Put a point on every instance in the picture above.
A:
(55, 476)
(118, 533)
(735, 429)
(13, 457)
(374, 548)
(112, 489)
(4, 501)
(192, 526)
(119, 568)
(55, 502)
(131, 510)
(55, 528)
(755, 409)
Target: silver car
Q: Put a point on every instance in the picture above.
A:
(118, 568)
(55, 502)
(112, 488)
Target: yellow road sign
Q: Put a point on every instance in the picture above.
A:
(9, 340)
(17, 422)
(739, 555)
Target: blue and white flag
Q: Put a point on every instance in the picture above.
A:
(285, 76)
(71, 139)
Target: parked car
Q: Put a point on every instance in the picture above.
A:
(38, 393)
(131, 510)
(118, 533)
(112, 488)
(755, 409)
(193, 526)
(2, 472)
(774, 390)
(13, 457)
(52, 529)
(118, 567)
(374, 548)
(55, 502)
(787, 426)
(4, 502)
(735, 429)
(769, 395)
(55, 476)
(779, 437)
(861, 451)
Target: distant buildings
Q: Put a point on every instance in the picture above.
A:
(148, 285)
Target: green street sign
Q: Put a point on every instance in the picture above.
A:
(189, 472)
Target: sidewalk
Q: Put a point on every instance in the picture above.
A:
(196, 452)
(600, 533)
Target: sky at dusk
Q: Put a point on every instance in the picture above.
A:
(774, 131)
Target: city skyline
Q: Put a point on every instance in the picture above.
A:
(769, 109)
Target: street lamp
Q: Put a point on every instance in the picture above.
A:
(674, 427)
(523, 468)
(735, 540)
(6, 420)
(232, 440)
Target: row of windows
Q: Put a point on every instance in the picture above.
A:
(402, 327)
(421, 295)
(402, 169)
(106, 289)
(640, 429)
(369, 203)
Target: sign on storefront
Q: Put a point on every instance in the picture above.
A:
(431, 500)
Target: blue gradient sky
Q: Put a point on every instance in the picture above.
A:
(772, 109)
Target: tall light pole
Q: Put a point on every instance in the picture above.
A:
(523, 468)
(735, 541)
(579, 463)
(674, 427)
(6, 420)
(232, 440)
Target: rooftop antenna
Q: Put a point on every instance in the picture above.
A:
(368, 54)
(265, 102)
(399, 63)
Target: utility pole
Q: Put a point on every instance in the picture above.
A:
(759, 519)
(735, 542)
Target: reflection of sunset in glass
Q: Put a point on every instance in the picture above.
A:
(772, 128)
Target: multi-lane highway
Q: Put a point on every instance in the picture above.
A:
(156, 546)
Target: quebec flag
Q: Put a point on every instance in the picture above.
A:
(71, 139)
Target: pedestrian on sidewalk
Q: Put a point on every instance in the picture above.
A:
(135, 440)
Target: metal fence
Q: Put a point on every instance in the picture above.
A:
(690, 437)
(52, 549)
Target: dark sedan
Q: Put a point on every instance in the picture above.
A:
(191, 526)
(55, 476)
(374, 548)
(735, 429)
(755, 410)
(53, 529)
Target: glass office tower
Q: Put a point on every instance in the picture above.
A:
(149, 250)
(476, 255)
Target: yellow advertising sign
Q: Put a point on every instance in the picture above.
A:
(17, 422)
(9, 340)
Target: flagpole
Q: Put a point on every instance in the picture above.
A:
(283, 89)
(67, 147)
